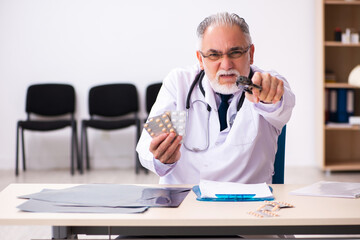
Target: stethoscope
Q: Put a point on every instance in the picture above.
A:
(198, 80)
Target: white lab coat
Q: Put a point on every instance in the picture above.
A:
(244, 152)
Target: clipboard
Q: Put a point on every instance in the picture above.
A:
(230, 197)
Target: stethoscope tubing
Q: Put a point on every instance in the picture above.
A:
(198, 80)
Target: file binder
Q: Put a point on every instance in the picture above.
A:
(342, 116)
(327, 105)
(339, 105)
(332, 105)
(350, 103)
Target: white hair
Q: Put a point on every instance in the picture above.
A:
(225, 19)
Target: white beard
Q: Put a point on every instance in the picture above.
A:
(224, 88)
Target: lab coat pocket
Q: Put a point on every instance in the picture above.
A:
(244, 128)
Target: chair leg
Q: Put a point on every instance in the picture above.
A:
(82, 144)
(17, 151)
(138, 165)
(86, 149)
(137, 160)
(72, 150)
(23, 149)
(78, 160)
(81, 154)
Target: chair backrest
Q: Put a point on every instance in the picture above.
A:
(279, 164)
(112, 100)
(151, 94)
(50, 99)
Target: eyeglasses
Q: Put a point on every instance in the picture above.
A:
(233, 54)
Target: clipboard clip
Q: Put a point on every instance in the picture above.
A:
(235, 197)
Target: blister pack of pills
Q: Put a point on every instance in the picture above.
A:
(169, 121)
(263, 213)
(178, 119)
(270, 209)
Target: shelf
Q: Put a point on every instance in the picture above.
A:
(341, 141)
(340, 85)
(343, 2)
(340, 44)
(343, 165)
(342, 126)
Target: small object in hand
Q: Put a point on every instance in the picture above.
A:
(178, 119)
(168, 122)
(158, 125)
(247, 84)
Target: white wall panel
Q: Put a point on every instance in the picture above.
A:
(90, 42)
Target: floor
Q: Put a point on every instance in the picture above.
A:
(293, 175)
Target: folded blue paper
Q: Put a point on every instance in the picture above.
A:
(232, 192)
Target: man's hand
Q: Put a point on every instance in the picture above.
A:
(272, 88)
(166, 148)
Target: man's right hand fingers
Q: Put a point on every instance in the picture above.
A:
(165, 146)
(156, 141)
(176, 155)
(172, 153)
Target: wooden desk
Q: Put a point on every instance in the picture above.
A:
(311, 215)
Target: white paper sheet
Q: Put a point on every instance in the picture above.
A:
(209, 189)
(330, 189)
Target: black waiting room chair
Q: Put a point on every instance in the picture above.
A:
(49, 107)
(111, 107)
(151, 94)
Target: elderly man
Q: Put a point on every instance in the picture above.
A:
(231, 134)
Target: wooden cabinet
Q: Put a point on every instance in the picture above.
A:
(341, 141)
